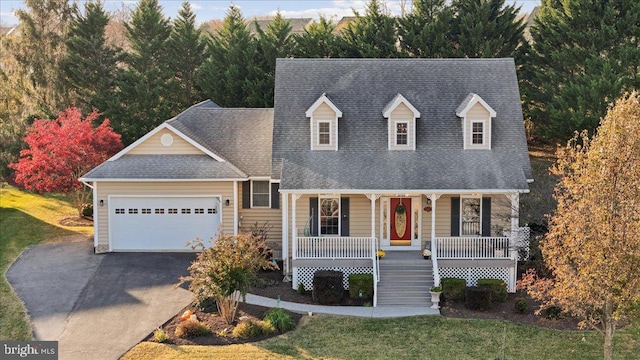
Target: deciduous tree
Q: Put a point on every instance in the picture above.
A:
(593, 244)
(59, 151)
(226, 270)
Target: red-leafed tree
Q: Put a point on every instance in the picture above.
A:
(61, 150)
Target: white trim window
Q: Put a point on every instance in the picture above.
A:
(477, 132)
(329, 215)
(324, 133)
(260, 194)
(402, 133)
(471, 216)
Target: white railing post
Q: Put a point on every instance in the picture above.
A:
(374, 247)
(434, 247)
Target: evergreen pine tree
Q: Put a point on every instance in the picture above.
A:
(584, 55)
(426, 31)
(186, 53)
(372, 35)
(274, 42)
(226, 74)
(317, 41)
(39, 51)
(145, 95)
(90, 65)
(485, 29)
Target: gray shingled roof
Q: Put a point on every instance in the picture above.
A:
(361, 88)
(242, 137)
(170, 167)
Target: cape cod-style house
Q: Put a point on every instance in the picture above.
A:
(356, 155)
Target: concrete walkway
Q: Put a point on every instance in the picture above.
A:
(358, 311)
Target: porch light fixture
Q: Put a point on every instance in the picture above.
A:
(101, 202)
(226, 202)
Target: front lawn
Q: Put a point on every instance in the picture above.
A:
(420, 337)
(27, 219)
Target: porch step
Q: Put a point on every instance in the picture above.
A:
(405, 282)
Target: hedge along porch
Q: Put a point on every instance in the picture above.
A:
(473, 237)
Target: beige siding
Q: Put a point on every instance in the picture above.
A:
(153, 146)
(224, 189)
(402, 114)
(249, 217)
(478, 112)
(324, 113)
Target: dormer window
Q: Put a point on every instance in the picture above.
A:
(324, 133)
(476, 117)
(323, 119)
(402, 133)
(477, 132)
(402, 123)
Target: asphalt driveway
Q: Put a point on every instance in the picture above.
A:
(97, 306)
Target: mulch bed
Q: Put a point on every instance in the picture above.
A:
(77, 221)
(272, 286)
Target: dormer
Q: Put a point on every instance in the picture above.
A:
(401, 125)
(476, 117)
(323, 117)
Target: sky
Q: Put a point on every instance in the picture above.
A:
(215, 9)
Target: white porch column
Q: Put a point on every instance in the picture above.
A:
(236, 219)
(285, 236)
(373, 198)
(294, 237)
(515, 222)
(436, 273)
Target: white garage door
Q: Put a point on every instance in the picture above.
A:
(161, 223)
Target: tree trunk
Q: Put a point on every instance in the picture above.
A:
(609, 330)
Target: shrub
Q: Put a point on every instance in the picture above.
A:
(252, 328)
(478, 298)
(327, 287)
(192, 328)
(552, 312)
(160, 336)
(301, 289)
(87, 210)
(521, 305)
(280, 319)
(207, 305)
(453, 288)
(361, 282)
(498, 288)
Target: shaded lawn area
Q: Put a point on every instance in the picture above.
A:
(423, 337)
(27, 219)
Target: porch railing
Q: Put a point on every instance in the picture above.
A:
(473, 248)
(334, 248)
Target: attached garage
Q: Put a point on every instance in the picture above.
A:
(161, 223)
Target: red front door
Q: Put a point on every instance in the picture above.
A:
(400, 221)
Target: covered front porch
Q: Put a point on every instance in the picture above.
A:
(344, 231)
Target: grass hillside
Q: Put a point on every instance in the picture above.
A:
(27, 219)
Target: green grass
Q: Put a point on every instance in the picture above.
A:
(329, 337)
(26, 219)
